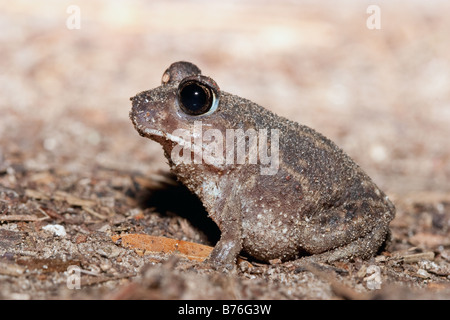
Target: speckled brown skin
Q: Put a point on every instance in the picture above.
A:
(319, 205)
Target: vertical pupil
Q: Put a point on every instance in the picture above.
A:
(193, 97)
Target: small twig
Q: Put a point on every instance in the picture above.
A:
(46, 216)
(94, 213)
(415, 257)
(88, 282)
(11, 269)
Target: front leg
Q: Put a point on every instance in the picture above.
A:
(226, 250)
(228, 247)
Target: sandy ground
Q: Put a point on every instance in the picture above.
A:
(70, 158)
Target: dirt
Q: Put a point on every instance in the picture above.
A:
(73, 172)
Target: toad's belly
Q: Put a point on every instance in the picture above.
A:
(267, 238)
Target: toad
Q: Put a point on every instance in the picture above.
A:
(275, 188)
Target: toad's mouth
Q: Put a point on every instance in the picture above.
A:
(172, 143)
(156, 135)
(142, 127)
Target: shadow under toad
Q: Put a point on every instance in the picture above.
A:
(169, 197)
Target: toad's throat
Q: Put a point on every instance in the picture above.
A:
(196, 150)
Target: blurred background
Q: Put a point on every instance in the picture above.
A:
(383, 95)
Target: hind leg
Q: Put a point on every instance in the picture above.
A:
(364, 247)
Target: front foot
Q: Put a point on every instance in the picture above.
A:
(224, 255)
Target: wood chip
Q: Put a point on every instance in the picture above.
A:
(144, 244)
(147, 244)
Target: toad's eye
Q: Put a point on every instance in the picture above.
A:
(196, 98)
